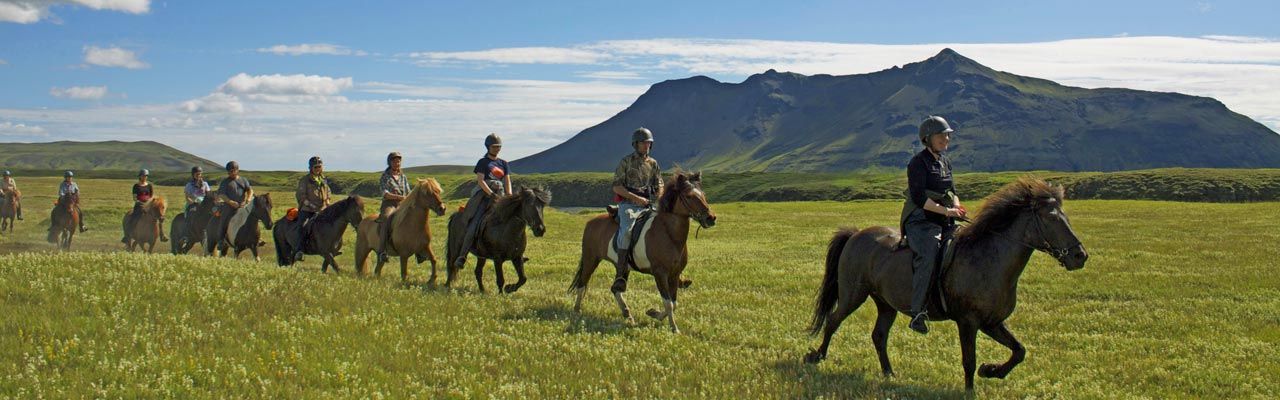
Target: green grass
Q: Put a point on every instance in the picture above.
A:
(1177, 300)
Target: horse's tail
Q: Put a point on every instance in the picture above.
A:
(829, 293)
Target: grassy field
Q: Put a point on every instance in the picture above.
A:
(1177, 300)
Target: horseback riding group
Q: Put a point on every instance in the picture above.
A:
(927, 268)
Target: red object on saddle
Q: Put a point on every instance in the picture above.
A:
(462, 208)
(291, 214)
(617, 198)
(497, 172)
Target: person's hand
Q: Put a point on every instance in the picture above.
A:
(964, 212)
(233, 204)
(954, 213)
(641, 201)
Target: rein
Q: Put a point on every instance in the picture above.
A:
(1058, 253)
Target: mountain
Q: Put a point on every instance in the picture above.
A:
(777, 121)
(111, 155)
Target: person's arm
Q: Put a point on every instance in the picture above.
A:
(506, 183)
(484, 187)
(387, 185)
(657, 181)
(621, 190)
(301, 193)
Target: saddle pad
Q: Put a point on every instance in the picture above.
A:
(639, 255)
(238, 220)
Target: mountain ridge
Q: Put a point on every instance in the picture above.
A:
(104, 155)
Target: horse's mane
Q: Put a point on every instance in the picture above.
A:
(335, 210)
(430, 185)
(508, 206)
(1003, 206)
(154, 203)
(670, 192)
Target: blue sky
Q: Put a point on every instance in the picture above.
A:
(272, 83)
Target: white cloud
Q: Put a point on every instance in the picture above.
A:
(611, 75)
(312, 48)
(514, 55)
(3, 62)
(213, 103)
(166, 123)
(230, 96)
(11, 129)
(30, 11)
(112, 57)
(399, 89)
(79, 92)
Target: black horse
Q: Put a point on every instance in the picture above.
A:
(324, 234)
(501, 236)
(979, 290)
(249, 237)
(188, 227)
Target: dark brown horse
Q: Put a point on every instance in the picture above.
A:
(979, 288)
(188, 227)
(501, 236)
(9, 208)
(663, 252)
(249, 237)
(324, 236)
(410, 230)
(64, 220)
(146, 229)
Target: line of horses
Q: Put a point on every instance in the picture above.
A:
(977, 291)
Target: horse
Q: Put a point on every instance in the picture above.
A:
(9, 208)
(410, 230)
(663, 252)
(186, 230)
(147, 228)
(64, 220)
(249, 237)
(978, 290)
(501, 236)
(325, 232)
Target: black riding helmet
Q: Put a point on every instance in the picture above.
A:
(933, 126)
(232, 166)
(197, 170)
(314, 161)
(641, 135)
(491, 140)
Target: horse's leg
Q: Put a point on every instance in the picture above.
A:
(479, 273)
(662, 277)
(328, 260)
(968, 345)
(1001, 334)
(404, 269)
(519, 264)
(431, 256)
(586, 267)
(499, 278)
(885, 317)
(846, 306)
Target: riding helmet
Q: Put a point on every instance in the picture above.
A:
(392, 156)
(933, 126)
(314, 161)
(67, 174)
(232, 166)
(6, 172)
(641, 135)
(492, 140)
(197, 169)
(144, 171)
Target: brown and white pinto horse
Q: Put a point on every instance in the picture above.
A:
(663, 251)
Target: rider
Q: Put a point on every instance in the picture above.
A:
(637, 181)
(195, 192)
(7, 183)
(142, 192)
(931, 191)
(68, 187)
(493, 179)
(232, 192)
(395, 186)
(313, 196)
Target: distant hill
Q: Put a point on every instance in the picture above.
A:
(795, 123)
(111, 155)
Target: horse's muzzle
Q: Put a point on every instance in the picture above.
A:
(539, 230)
(1075, 258)
(707, 220)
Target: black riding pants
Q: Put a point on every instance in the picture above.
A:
(298, 235)
(925, 239)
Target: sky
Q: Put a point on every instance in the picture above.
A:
(271, 84)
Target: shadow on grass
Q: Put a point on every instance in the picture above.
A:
(819, 381)
(575, 322)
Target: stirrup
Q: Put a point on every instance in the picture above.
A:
(919, 323)
(619, 285)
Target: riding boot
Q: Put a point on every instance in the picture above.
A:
(163, 237)
(473, 228)
(300, 237)
(384, 229)
(624, 269)
(20, 212)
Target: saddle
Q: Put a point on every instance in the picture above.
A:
(636, 231)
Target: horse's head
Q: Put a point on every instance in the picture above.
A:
(69, 200)
(428, 195)
(262, 209)
(156, 206)
(355, 211)
(1033, 207)
(532, 201)
(683, 196)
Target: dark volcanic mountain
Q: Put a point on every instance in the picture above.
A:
(789, 122)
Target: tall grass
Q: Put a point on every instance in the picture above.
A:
(1177, 300)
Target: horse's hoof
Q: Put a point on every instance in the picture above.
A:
(655, 314)
(989, 371)
(511, 288)
(685, 283)
(630, 321)
(814, 357)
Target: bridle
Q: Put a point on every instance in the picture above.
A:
(1058, 253)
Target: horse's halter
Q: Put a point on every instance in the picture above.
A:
(684, 200)
(1058, 253)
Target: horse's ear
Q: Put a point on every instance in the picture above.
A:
(696, 177)
(681, 178)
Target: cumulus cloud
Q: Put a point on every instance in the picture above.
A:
(213, 103)
(399, 89)
(230, 96)
(9, 128)
(165, 123)
(31, 11)
(312, 48)
(112, 57)
(79, 92)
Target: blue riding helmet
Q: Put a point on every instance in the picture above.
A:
(144, 171)
(68, 174)
(6, 172)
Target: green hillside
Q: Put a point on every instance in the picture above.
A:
(111, 155)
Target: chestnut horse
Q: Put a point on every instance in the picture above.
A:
(9, 208)
(324, 235)
(979, 289)
(64, 220)
(146, 229)
(410, 230)
(663, 252)
(501, 236)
